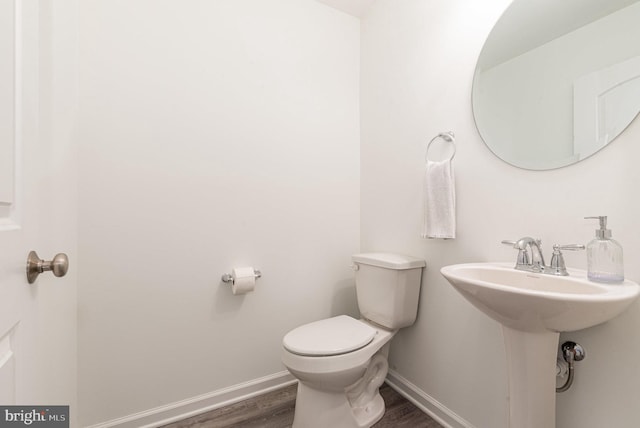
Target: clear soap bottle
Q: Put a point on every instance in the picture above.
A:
(604, 256)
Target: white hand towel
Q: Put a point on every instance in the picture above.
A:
(439, 201)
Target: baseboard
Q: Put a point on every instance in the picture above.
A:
(203, 403)
(425, 402)
(173, 412)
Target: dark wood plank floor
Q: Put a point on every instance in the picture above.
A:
(275, 410)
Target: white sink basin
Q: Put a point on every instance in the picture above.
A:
(535, 302)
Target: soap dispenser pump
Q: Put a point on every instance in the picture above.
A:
(604, 256)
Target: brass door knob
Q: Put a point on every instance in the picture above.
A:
(35, 266)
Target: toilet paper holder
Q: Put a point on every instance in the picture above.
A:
(228, 278)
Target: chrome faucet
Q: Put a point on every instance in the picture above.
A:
(535, 262)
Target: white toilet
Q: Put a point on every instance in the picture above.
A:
(341, 362)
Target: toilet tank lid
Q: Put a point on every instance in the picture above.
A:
(389, 260)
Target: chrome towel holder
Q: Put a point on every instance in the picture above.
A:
(449, 137)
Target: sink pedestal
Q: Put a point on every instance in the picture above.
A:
(531, 371)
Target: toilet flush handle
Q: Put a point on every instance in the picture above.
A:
(354, 266)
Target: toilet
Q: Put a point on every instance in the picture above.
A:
(340, 362)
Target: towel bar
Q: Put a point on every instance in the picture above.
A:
(449, 137)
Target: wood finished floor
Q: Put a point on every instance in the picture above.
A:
(275, 410)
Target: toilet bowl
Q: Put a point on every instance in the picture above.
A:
(340, 362)
(339, 373)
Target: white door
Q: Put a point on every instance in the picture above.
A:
(37, 205)
(605, 103)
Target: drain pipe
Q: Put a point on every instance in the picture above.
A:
(571, 352)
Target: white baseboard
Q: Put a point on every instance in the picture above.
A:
(179, 410)
(203, 403)
(425, 402)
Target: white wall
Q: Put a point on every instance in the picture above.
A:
(418, 59)
(213, 135)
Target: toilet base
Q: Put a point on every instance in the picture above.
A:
(335, 410)
(358, 406)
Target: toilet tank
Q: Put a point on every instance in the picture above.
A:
(388, 287)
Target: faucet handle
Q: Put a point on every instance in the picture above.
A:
(522, 243)
(523, 256)
(557, 265)
(572, 247)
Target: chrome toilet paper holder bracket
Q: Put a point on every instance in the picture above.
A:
(228, 278)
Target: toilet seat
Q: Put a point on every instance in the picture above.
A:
(331, 336)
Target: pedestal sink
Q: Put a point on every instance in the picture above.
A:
(533, 310)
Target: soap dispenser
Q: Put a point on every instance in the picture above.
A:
(604, 256)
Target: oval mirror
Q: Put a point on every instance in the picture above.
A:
(556, 81)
